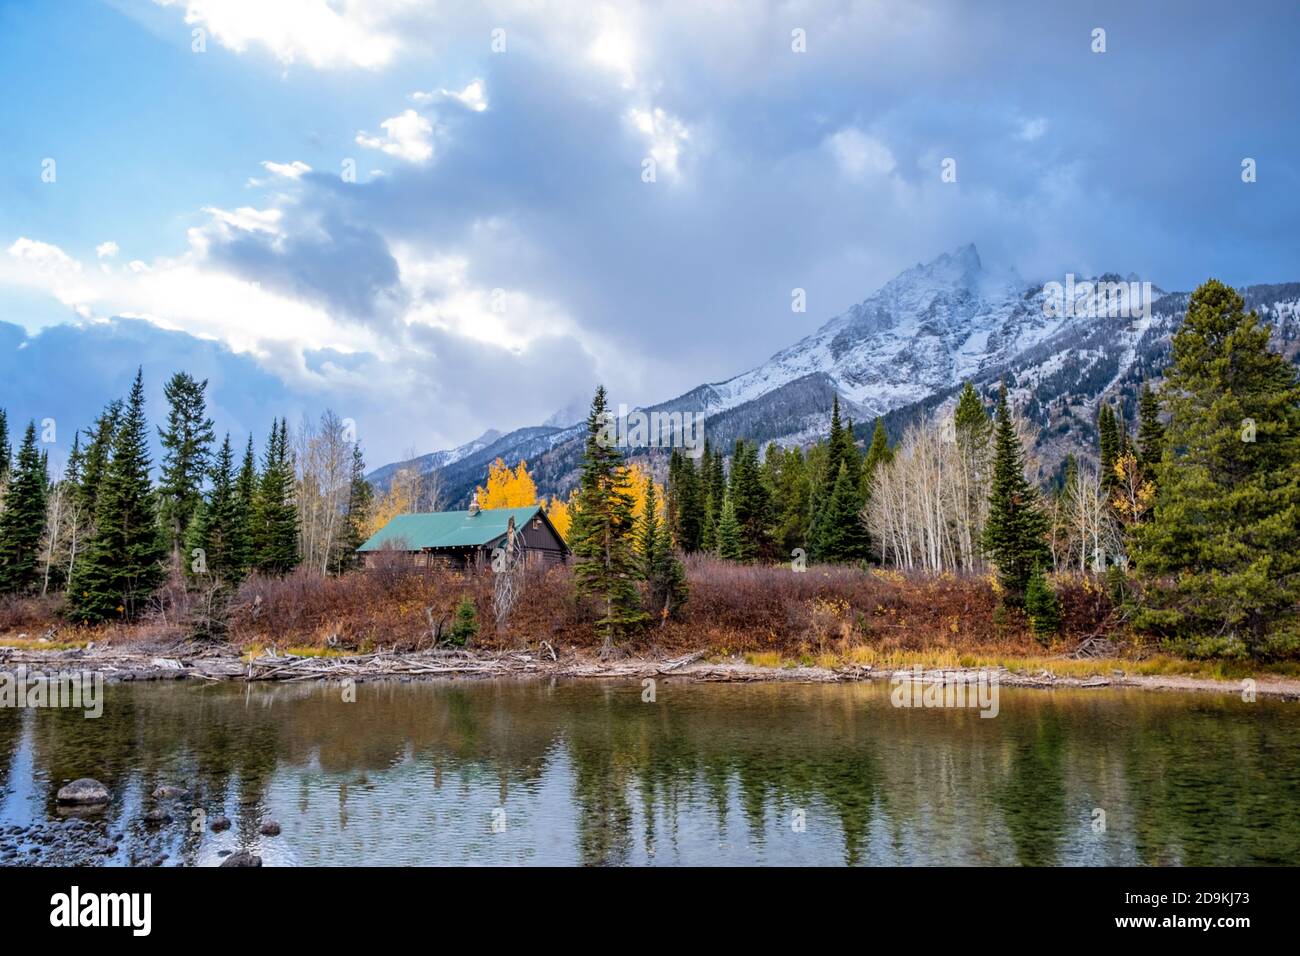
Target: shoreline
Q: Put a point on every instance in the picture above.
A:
(223, 664)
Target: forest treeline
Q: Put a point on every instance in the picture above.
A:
(1187, 520)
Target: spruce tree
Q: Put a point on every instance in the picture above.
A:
(1042, 607)
(685, 505)
(361, 497)
(275, 516)
(1219, 557)
(1108, 446)
(245, 506)
(1015, 530)
(843, 538)
(186, 441)
(663, 573)
(601, 535)
(123, 563)
(99, 451)
(878, 453)
(1151, 433)
(22, 522)
(730, 545)
(751, 502)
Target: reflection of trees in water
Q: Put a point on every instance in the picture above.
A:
(1197, 781)
(1216, 786)
(1032, 795)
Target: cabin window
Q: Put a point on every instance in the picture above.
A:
(537, 522)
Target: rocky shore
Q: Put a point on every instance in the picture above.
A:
(208, 663)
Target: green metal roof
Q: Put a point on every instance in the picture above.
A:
(449, 529)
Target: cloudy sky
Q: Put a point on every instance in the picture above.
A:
(434, 217)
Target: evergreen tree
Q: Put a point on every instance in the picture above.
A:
(843, 537)
(464, 626)
(730, 545)
(601, 534)
(878, 453)
(22, 523)
(361, 498)
(275, 517)
(122, 565)
(1219, 557)
(1151, 433)
(686, 502)
(245, 512)
(186, 443)
(98, 453)
(751, 502)
(215, 530)
(791, 490)
(663, 573)
(1015, 530)
(1042, 607)
(1108, 446)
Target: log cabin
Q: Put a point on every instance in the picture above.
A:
(466, 539)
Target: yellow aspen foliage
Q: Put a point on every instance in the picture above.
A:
(401, 498)
(560, 511)
(507, 488)
(633, 484)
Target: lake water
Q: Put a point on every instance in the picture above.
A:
(566, 772)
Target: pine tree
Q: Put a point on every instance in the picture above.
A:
(464, 626)
(791, 490)
(361, 499)
(99, 451)
(1042, 607)
(123, 562)
(275, 517)
(1015, 530)
(1108, 446)
(878, 453)
(1219, 557)
(663, 573)
(730, 545)
(601, 535)
(22, 523)
(245, 506)
(186, 442)
(751, 502)
(843, 537)
(686, 508)
(1151, 433)
(215, 531)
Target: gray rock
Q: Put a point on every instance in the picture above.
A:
(220, 823)
(269, 828)
(168, 792)
(84, 792)
(242, 858)
(157, 815)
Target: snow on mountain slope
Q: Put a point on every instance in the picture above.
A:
(933, 325)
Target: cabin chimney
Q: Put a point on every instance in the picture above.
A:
(473, 505)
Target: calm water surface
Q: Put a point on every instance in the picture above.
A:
(586, 773)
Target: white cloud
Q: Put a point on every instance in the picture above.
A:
(1032, 129)
(408, 136)
(106, 250)
(292, 170)
(472, 97)
(664, 133)
(351, 33)
(859, 155)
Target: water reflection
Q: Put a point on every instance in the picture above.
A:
(516, 772)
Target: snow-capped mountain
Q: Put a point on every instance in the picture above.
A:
(933, 325)
(903, 352)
